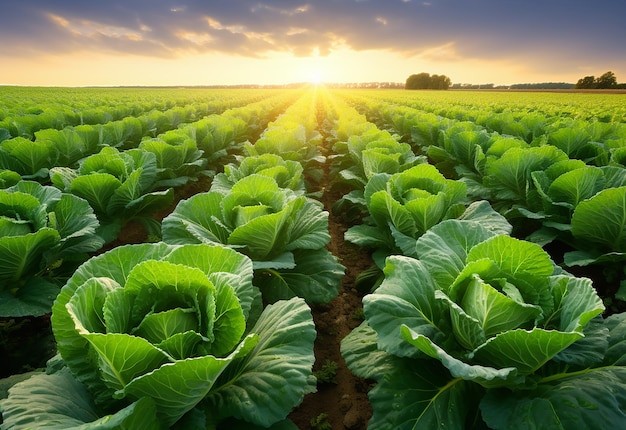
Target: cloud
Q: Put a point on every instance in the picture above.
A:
(564, 33)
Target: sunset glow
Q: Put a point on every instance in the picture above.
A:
(78, 44)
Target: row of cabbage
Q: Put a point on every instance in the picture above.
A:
(48, 228)
(65, 146)
(478, 106)
(467, 326)
(209, 327)
(566, 188)
(26, 110)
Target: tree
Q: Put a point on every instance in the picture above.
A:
(607, 80)
(420, 81)
(423, 81)
(586, 83)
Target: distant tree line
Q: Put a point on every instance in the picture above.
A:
(426, 81)
(606, 81)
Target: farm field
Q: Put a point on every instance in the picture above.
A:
(312, 258)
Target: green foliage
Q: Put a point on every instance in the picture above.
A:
(176, 332)
(492, 326)
(320, 422)
(606, 81)
(44, 234)
(118, 185)
(327, 374)
(405, 205)
(284, 233)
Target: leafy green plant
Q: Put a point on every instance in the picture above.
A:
(168, 336)
(284, 233)
(406, 205)
(509, 177)
(31, 160)
(599, 228)
(369, 152)
(293, 136)
(9, 178)
(178, 159)
(561, 188)
(118, 185)
(320, 422)
(484, 331)
(327, 374)
(286, 173)
(44, 235)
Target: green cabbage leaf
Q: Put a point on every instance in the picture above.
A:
(483, 328)
(118, 185)
(170, 334)
(44, 235)
(283, 232)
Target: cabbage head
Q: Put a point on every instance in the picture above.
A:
(283, 232)
(180, 326)
(483, 322)
(405, 205)
(44, 235)
(119, 186)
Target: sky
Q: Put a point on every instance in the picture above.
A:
(230, 42)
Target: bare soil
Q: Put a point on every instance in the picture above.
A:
(341, 403)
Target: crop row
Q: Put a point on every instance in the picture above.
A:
(24, 111)
(563, 189)
(90, 190)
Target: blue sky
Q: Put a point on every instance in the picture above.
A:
(478, 41)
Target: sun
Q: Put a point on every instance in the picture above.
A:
(315, 76)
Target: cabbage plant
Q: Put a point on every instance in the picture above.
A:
(31, 160)
(484, 331)
(509, 177)
(598, 228)
(118, 185)
(405, 205)
(163, 336)
(44, 235)
(371, 152)
(561, 188)
(9, 178)
(284, 233)
(293, 136)
(286, 173)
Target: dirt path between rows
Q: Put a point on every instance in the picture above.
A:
(341, 403)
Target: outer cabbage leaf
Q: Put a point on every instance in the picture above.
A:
(8, 178)
(409, 393)
(601, 220)
(590, 395)
(73, 410)
(29, 159)
(315, 276)
(278, 368)
(594, 400)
